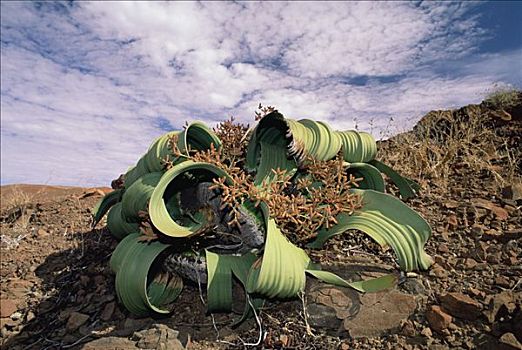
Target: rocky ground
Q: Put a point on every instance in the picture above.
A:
(57, 291)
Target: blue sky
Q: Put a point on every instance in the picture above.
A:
(85, 87)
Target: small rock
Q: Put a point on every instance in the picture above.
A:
(84, 280)
(513, 261)
(451, 204)
(76, 319)
(98, 279)
(7, 307)
(477, 292)
(427, 332)
(501, 305)
(470, 263)
(159, 336)
(443, 248)
(502, 281)
(494, 258)
(408, 329)
(453, 221)
(500, 213)
(509, 339)
(477, 230)
(30, 316)
(461, 306)
(108, 310)
(42, 233)
(110, 343)
(513, 191)
(438, 319)
(438, 271)
(16, 316)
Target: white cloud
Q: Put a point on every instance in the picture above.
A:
(85, 86)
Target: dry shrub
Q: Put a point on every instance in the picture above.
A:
(446, 143)
(503, 97)
(17, 212)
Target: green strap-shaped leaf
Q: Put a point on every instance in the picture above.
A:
(372, 178)
(104, 204)
(121, 250)
(136, 197)
(389, 222)
(358, 147)
(273, 156)
(407, 187)
(198, 137)
(139, 286)
(135, 172)
(118, 226)
(219, 285)
(367, 286)
(281, 271)
(165, 194)
(326, 142)
(159, 150)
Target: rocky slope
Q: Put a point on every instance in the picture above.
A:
(57, 290)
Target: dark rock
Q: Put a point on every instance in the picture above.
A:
(76, 319)
(502, 281)
(133, 324)
(330, 305)
(461, 306)
(414, 286)
(108, 310)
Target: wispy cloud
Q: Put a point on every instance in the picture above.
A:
(86, 86)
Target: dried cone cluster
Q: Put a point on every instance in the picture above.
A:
(301, 204)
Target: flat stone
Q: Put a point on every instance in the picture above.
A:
(328, 306)
(438, 319)
(110, 343)
(380, 313)
(7, 307)
(42, 233)
(108, 310)
(76, 319)
(510, 340)
(461, 306)
(160, 336)
(502, 281)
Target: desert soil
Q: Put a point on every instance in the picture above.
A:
(57, 290)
